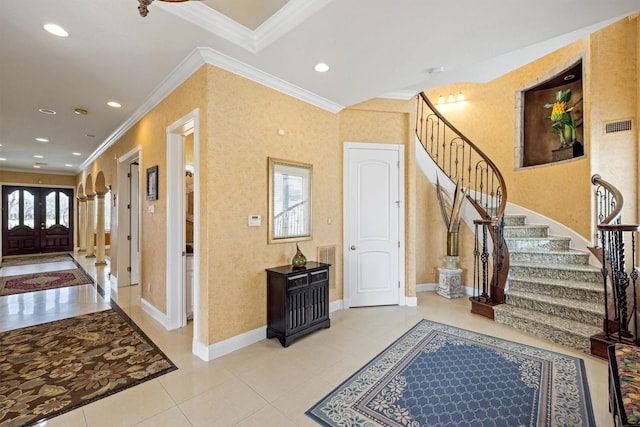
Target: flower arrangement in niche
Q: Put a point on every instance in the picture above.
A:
(564, 117)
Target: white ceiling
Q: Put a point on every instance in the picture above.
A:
(374, 47)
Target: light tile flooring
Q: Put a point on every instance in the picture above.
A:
(263, 384)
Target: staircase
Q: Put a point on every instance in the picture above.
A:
(553, 292)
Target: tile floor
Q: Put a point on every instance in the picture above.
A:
(263, 384)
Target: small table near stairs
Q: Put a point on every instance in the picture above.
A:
(624, 384)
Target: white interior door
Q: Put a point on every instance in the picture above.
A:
(134, 223)
(372, 220)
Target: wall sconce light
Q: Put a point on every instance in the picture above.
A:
(189, 169)
(451, 99)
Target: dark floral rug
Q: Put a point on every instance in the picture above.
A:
(40, 281)
(49, 369)
(11, 261)
(438, 375)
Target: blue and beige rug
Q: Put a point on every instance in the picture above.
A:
(438, 375)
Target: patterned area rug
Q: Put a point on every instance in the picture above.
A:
(41, 281)
(438, 375)
(49, 369)
(34, 259)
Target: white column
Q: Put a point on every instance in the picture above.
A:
(82, 223)
(100, 260)
(90, 216)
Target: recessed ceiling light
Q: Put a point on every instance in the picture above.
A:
(42, 140)
(56, 30)
(2, 159)
(90, 135)
(77, 154)
(321, 67)
(46, 111)
(569, 77)
(38, 156)
(36, 166)
(114, 104)
(69, 165)
(81, 111)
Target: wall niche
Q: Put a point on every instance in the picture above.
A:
(551, 120)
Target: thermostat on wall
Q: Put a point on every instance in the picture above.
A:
(254, 220)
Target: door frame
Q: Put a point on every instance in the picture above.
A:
(348, 146)
(123, 252)
(73, 200)
(176, 214)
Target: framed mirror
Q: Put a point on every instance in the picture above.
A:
(289, 201)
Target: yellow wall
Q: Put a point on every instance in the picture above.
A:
(150, 134)
(244, 118)
(25, 178)
(559, 190)
(239, 122)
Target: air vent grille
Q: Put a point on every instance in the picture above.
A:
(327, 255)
(617, 126)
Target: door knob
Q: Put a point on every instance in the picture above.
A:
(353, 248)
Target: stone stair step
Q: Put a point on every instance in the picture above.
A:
(586, 291)
(549, 256)
(575, 272)
(586, 312)
(529, 230)
(553, 243)
(560, 331)
(511, 220)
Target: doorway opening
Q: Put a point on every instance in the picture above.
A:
(128, 254)
(183, 202)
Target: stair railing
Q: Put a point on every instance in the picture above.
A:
(462, 161)
(619, 271)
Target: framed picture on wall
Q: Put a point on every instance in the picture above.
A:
(152, 183)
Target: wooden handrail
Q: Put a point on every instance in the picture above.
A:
(503, 185)
(463, 161)
(617, 197)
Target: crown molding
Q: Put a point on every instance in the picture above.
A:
(284, 20)
(212, 21)
(220, 60)
(196, 59)
(400, 94)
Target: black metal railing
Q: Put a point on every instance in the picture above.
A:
(463, 162)
(618, 257)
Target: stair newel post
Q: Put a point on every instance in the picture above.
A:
(476, 263)
(634, 279)
(605, 274)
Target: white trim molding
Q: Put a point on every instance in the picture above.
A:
(289, 16)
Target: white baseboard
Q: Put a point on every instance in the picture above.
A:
(232, 344)
(155, 314)
(426, 287)
(432, 287)
(336, 305)
(411, 301)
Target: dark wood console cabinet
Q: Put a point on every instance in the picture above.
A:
(297, 301)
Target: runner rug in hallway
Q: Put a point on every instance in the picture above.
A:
(41, 281)
(49, 369)
(34, 259)
(438, 375)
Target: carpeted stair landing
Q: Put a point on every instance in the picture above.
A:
(553, 291)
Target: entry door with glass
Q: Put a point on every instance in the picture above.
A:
(36, 219)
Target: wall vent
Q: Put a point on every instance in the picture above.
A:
(327, 255)
(617, 126)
